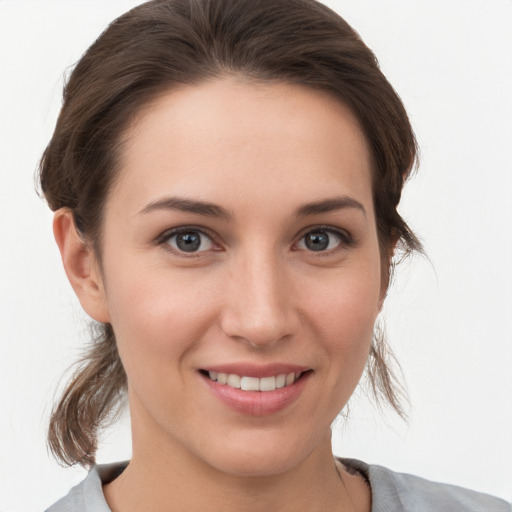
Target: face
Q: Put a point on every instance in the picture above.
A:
(239, 244)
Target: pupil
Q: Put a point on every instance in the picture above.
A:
(317, 241)
(188, 242)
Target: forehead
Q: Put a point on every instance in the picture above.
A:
(229, 138)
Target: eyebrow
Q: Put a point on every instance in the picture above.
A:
(207, 209)
(188, 206)
(329, 205)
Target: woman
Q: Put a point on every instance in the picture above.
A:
(225, 177)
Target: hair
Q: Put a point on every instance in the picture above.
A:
(165, 44)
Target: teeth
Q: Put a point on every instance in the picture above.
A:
(250, 383)
(280, 381)
(253, 383)
(233, 381)
(268, 384)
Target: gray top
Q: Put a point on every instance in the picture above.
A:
(391, 492)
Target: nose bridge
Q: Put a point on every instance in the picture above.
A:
(258, 309)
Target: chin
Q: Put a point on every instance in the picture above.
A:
(256, 464)
(259, 457)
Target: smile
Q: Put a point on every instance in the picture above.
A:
(254, 383)
(257, 391)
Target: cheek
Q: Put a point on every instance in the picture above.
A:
(157, 314)
(344, 311)
(352, 291)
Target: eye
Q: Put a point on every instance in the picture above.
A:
(189, 241)
(323, 239)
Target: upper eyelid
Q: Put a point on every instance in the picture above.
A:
(168, 233)
(324, 227)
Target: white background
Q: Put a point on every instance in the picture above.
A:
(448, 318)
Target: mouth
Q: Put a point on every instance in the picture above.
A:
(248, 383)
(256, 391)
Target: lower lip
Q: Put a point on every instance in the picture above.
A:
(257, 403)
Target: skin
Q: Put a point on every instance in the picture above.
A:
(255, 294)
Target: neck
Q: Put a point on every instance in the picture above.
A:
(162, 484)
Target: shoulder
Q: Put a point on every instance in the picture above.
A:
(88, 496)
(400, 492)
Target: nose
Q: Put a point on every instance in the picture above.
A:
(258, 308)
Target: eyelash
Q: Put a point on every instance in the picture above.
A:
(168, 235)
(345, 239)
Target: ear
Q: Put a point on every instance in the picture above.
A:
(81, 266)
(387, 267)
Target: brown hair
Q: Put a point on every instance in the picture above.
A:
(164, 44)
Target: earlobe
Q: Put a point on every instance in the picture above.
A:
(81, 266)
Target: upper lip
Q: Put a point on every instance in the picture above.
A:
(253, 370)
